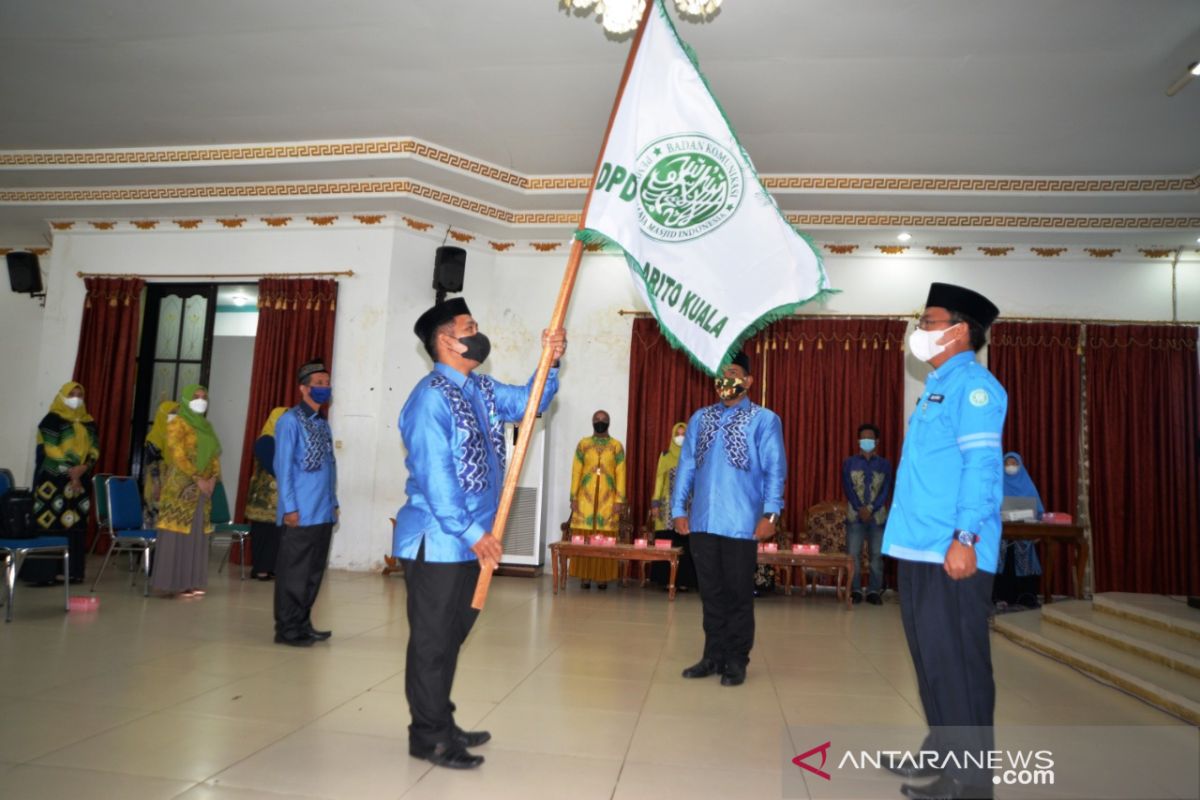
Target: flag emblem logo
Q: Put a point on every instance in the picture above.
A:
(690, 185)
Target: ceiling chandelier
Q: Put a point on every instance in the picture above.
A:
(621, 16)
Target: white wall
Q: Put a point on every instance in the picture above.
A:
(21, 406)
(377, 358)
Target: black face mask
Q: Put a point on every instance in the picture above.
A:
(600, 428)
(478, 347)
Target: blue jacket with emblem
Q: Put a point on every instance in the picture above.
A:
(951, 473)
(453, 427)
(732, 469)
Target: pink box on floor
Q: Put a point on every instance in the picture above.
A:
(640, 544)
(771, 547)
(662, 544)
(577, 539)
(84, 603)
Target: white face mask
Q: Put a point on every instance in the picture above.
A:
(199, 405)
(1012, 470)
(679, 440)
(923, 344)
(72, 402)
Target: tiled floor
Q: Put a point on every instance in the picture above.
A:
(151, 698)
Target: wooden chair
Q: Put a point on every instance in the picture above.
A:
(825, 525)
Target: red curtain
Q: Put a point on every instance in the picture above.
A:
(1144, 445)
(824, 377)
(664, 388)
(295, 325)
(1038, 363)
(106, 365)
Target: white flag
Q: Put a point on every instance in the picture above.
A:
(710, 252)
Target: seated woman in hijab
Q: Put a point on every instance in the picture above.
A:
(1018, 576)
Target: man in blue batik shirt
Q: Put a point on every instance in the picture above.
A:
(944, 527)
(733, 467)
(306, 477)
(453, 428)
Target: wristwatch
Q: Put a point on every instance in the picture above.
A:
(771, 517)
(966, 538)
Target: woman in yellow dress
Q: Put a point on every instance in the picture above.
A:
(154, 464)
(660, 512)
(184, 508)
(597, 498)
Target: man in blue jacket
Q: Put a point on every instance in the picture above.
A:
(944, 528)
(306, 476)
(453, 427)
(733, 467)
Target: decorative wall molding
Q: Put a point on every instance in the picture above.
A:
(891, 249)
(943, 250)
(995, 251)
(409, 147)
(1048, 252)
(1101, 252)
(841, 249)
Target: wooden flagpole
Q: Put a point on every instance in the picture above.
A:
(556, 322)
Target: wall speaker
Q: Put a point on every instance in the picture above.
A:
(24, 272)
(449, 264)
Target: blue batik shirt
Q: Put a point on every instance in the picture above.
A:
(733, 467)
(453, 428)
(951, 473)
(305, 467)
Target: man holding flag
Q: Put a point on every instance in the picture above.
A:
(707, 247)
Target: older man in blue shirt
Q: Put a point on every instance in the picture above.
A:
(453, 428)
(944, 528)
(306, 477)
(733, 468)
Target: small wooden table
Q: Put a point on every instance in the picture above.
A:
(1052, 535)
(841, 564)
(561, 551)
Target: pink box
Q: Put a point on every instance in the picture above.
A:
(84, 603)
(771, 547)
(577, 539)
(639, 543)
(662, 544)
(797, 548)
(806, 549)
(762, 548)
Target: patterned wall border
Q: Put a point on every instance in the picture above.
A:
(406, 147)
(401, 188)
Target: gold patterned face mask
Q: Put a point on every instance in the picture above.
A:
(729, 388)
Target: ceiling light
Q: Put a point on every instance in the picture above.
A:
(904, 236)
(1195, 70)
(239, 299)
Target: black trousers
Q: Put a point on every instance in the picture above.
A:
(303, 554)
(439, 618)
(264, 545)
(725, 575)
(946, 623)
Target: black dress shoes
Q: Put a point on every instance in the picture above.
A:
(296, 641)
(452, 756)
(733, 675)
(471, 738)
(947, 788)
(702, 669)
(914, 771)
(319, 636)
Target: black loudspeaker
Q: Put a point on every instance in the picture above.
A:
(448, 267)
(24, 273)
